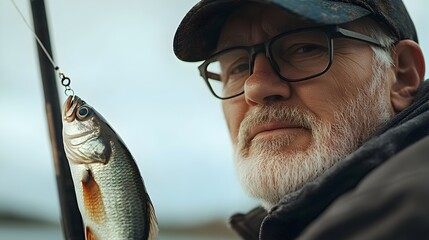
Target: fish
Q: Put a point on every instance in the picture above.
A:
(110, 191)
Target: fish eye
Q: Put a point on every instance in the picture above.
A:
(83, 112)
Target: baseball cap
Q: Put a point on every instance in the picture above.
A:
(197, 35)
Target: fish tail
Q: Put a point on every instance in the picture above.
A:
(153, 222)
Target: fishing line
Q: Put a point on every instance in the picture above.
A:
(65, 81)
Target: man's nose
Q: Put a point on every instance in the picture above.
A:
(264, 85)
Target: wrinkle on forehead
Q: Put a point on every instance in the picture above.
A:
(255, 23)
(239, 26)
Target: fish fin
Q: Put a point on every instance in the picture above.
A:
(86, 176)
(92, 198)
(153, 222)
(89, 235)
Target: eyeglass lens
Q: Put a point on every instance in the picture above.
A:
(297, 56)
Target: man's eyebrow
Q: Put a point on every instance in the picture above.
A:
(241, 41)
(274, 29)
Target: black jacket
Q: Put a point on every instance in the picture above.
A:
(380, 191)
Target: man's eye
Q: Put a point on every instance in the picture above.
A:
(308, 48)
(239, 69)
(302, 49)
(302, 52)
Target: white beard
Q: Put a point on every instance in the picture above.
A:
(268, 170)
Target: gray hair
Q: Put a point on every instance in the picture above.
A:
(381, 55)
(375, 30)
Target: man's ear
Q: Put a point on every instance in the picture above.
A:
(409, 68)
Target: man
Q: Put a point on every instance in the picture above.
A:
(327, 111)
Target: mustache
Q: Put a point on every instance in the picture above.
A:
(274, 113)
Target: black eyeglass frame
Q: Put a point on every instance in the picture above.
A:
(331, 31)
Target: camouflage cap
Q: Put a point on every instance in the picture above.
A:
(197, 34)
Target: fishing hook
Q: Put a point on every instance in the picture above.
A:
(65, 81)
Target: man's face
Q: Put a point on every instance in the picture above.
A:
(285, 135)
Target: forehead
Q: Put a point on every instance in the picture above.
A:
(254, 23)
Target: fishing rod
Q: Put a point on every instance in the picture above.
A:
(71, 220)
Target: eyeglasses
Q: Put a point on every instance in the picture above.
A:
(294, 55)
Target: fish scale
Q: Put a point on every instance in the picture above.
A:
(113, 189)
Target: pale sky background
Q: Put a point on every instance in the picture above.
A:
(119, 57)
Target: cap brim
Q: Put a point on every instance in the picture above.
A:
(197, 35)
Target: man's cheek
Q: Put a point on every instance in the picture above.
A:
(233, 118)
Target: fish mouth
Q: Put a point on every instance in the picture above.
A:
(72, 103)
